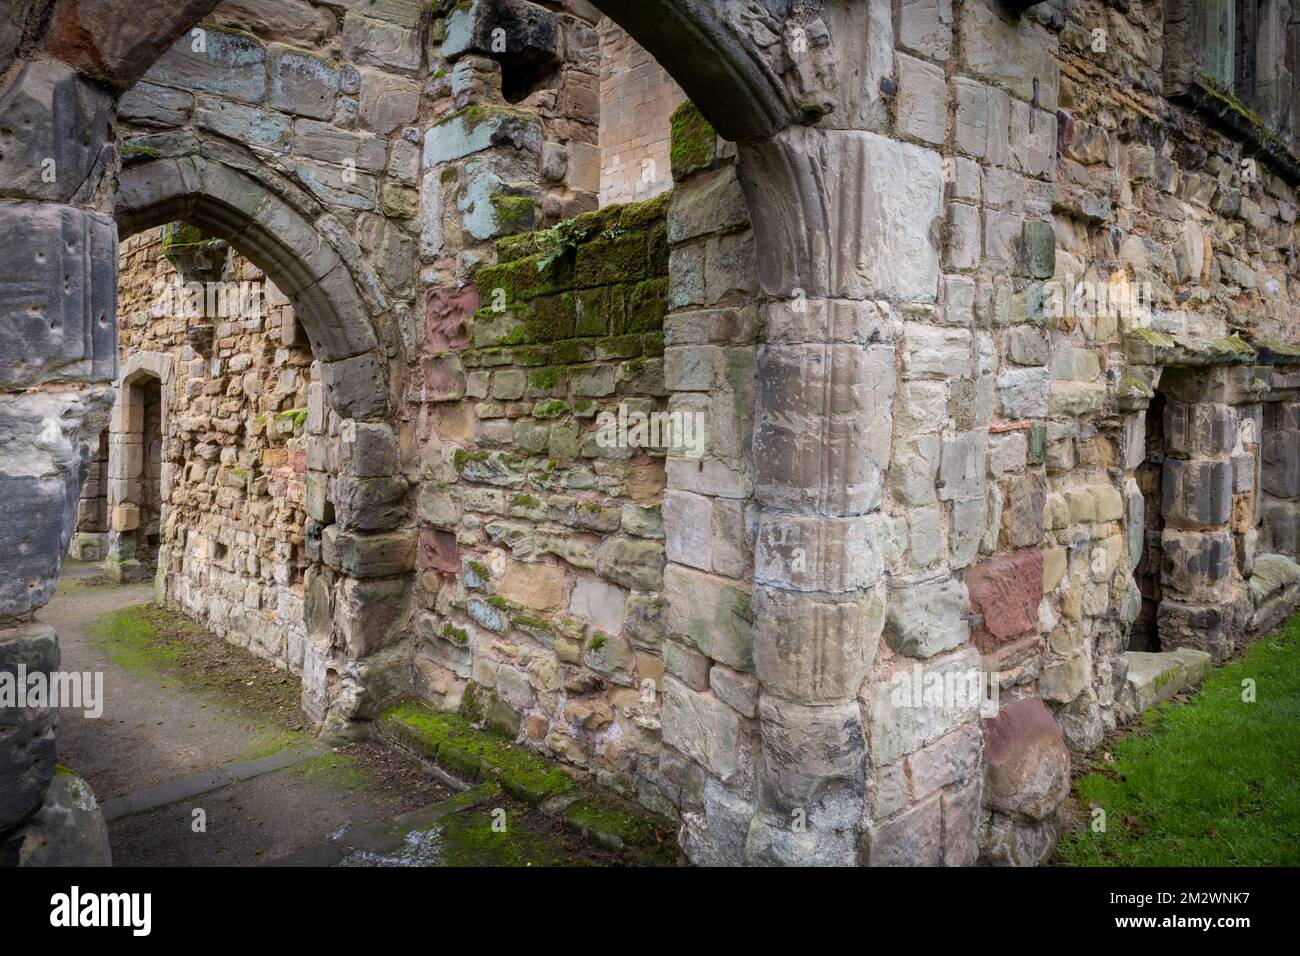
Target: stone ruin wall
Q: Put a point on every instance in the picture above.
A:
(1006, 530)
(307, 111)
(541, 555)
(1055, 173)
(320, 108)
(1005, 525)
(542, 577)
(233, 454)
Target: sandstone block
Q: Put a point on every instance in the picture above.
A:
(1197, 493)
(952, 759)
(1005, 592)
(370, 504)
(604, 605)
(41, 107)
(711, 613)
(539, 587)
(817, 553)
(705, 729)
(927, 617)
(1028, 766)
(369, 555)
(902, 721)
(820, 436)
(302, 83)
(810, 753)
(231, 65)
(1200, 429)
(913, 838)
(815, 648)
(54, 295)
(1196, 566)
(126, 517)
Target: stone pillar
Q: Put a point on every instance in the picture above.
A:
(1280, 479)
(126, 455)
(1200, 583)
(825, 396)
(91, 540)
(57, 300)
(710, 692)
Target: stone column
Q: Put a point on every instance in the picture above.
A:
(1199, 580)
(1280, 479)
(710, 692)
(822, 441)
(57, 299)
(91, 540)
(126, 454)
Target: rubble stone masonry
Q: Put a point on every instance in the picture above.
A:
(233, 453)
(989, 312)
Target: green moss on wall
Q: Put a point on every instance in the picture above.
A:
(515, 214)
(693, 140)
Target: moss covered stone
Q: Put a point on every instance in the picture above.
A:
(515, 214)
(647, 305)
(551, 409)
(551, 319)
(619, 825)
(693, 140)
(547, 378)
(574, 352)
(620, 258)
(452, 742)
(522, 279)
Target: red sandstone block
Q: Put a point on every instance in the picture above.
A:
(1005, 592)
(1028, 765)
(439, 551)
(445, 316)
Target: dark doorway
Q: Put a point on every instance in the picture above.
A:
(1145, 635)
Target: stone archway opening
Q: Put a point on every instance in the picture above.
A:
(637, 100)
(226, 541)
(356, 554)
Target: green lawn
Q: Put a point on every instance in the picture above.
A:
(1211, 782)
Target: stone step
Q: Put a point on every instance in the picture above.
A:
(463, 755)
(1156, 677)
(1274, 590)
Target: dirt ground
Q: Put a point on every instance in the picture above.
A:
(180, 702)
(202, 757)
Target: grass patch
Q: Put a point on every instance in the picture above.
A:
(468, 839)
(142, 639)
(161, 644)
(1214, 782)
(271, 740)
(473, 754)
(339, 770)
(86, 583)
(616, 825)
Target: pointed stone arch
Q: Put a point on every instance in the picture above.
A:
(325, 290)
(229, 204)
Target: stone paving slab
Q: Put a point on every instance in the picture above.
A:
(1153, 677)
(206, 781)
